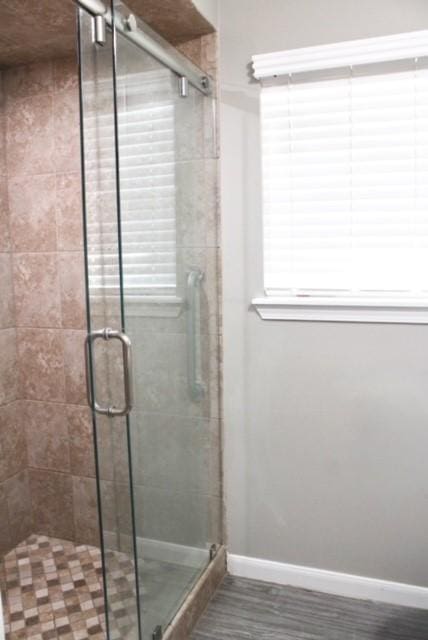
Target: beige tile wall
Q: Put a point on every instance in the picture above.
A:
(15, 508)
(47, 429)
(40, 201)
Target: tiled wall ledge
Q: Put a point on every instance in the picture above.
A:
(176, 20)
(48, 30)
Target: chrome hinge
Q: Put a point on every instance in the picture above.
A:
(99, 30)
(183, 87)
(157, 633)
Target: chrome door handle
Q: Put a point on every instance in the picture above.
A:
(110, 334)
(194, 366)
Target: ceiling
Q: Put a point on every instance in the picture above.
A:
(31, 31)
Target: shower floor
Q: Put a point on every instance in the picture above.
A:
(53, 589)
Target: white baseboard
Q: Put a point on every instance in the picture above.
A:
(341, 584)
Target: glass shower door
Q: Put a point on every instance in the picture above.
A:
(105, 312)
(150, 176)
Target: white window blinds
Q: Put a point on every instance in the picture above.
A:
(146, 115)
(345, 178)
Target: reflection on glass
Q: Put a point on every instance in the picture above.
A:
(163, 146)
(151, 254)
(146, 121)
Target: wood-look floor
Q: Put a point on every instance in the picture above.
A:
(250, 610)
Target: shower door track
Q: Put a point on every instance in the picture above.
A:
(129, 29)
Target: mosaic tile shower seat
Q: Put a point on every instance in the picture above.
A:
(53, 589)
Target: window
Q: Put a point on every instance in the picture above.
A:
(345, 178)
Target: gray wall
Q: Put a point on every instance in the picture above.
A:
(326, 425)
(209, 9)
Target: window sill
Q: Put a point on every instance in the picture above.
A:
(398, 311)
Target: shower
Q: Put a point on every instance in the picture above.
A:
(110, 491)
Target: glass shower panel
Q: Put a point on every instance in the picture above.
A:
(167, 172)
(104, 306)
(151, 248)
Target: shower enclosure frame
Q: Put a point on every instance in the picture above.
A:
(104, 21)
(129, 28)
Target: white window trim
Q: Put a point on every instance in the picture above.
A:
(390, 311)
(404, 310)
(342, 54)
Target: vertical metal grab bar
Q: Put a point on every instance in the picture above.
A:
(194, 355)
